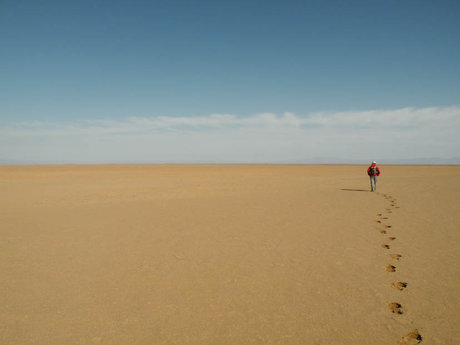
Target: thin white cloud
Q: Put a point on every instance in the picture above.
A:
(352, 135)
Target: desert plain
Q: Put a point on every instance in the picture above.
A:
(229, 254)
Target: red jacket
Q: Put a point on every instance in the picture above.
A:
(369, 170)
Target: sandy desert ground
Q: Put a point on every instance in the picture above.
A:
(229, 254)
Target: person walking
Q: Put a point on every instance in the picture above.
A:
(373, 171)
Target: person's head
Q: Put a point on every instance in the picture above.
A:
(374, 162)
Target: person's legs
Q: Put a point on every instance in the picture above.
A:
(373, 183)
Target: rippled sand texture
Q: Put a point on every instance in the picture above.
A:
(234, 254)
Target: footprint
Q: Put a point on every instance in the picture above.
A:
(382, 231)
(399, 285)
(388, 226)
(385, 246)
(412, 338)
(395, 256)
(395, 308)
(392, 238)
(378, 221)
(379, 214)
(391, 268)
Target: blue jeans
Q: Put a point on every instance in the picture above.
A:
(373, 183)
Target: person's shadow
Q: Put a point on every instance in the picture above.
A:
(354, 190)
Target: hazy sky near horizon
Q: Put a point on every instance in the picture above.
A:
(234, 81)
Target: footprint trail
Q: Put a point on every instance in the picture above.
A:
(384, 226)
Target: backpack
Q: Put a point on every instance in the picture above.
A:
(372, 171)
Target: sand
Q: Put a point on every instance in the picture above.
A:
(229, 254)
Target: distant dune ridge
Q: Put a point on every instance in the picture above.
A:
(229, 254)
(313, 160)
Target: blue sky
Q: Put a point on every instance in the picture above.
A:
(80, 67)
